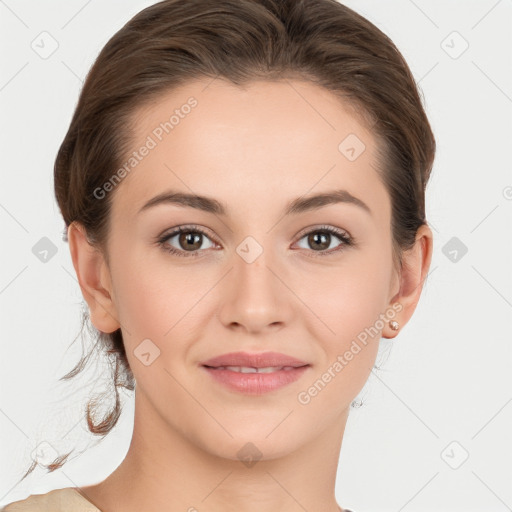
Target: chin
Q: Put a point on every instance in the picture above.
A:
(258, 443)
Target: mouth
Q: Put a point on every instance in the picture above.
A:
(248, 362)
(252, 369)
(250, 380)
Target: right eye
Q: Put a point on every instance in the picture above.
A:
(189, 237)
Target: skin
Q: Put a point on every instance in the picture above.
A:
(255, 149)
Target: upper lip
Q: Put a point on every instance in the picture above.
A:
(259, 360)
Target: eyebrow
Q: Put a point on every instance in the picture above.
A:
(299, 205)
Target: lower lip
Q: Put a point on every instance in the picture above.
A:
(256, 383)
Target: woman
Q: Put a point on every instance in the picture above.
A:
(243, 189)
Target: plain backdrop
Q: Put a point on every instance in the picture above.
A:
(433, 432)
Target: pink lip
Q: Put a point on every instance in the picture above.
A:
(255, 383)
(258, 360)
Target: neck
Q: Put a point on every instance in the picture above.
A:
(164, 471)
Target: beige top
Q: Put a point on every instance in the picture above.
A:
(58, 500)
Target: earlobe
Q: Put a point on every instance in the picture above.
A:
(94, 279)
(416, 263)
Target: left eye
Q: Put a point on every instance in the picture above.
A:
(322, 238)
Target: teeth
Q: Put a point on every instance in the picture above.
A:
(249, 369)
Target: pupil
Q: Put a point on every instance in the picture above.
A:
(189, 239)
(315, 237)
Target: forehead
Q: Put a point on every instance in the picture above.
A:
(257, 142)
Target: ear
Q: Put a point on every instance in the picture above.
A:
(94, 279)
(416, 263)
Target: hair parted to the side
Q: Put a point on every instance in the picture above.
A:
(175, 41)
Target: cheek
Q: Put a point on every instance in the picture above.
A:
(349, 296)
(156, 302)
(346, 303)
(152, 296)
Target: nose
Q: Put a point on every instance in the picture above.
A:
(255, 297)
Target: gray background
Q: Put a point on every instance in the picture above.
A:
(433, 432)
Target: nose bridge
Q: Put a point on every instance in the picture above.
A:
(255, 298)
(255, 283)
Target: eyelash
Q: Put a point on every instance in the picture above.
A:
(342, 235)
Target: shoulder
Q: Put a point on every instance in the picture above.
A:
(58, 500)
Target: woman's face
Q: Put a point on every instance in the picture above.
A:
(261, 278)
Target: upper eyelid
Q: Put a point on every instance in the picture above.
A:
(333, 229)
(186, 227)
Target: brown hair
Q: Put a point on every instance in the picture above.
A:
(175, 41)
